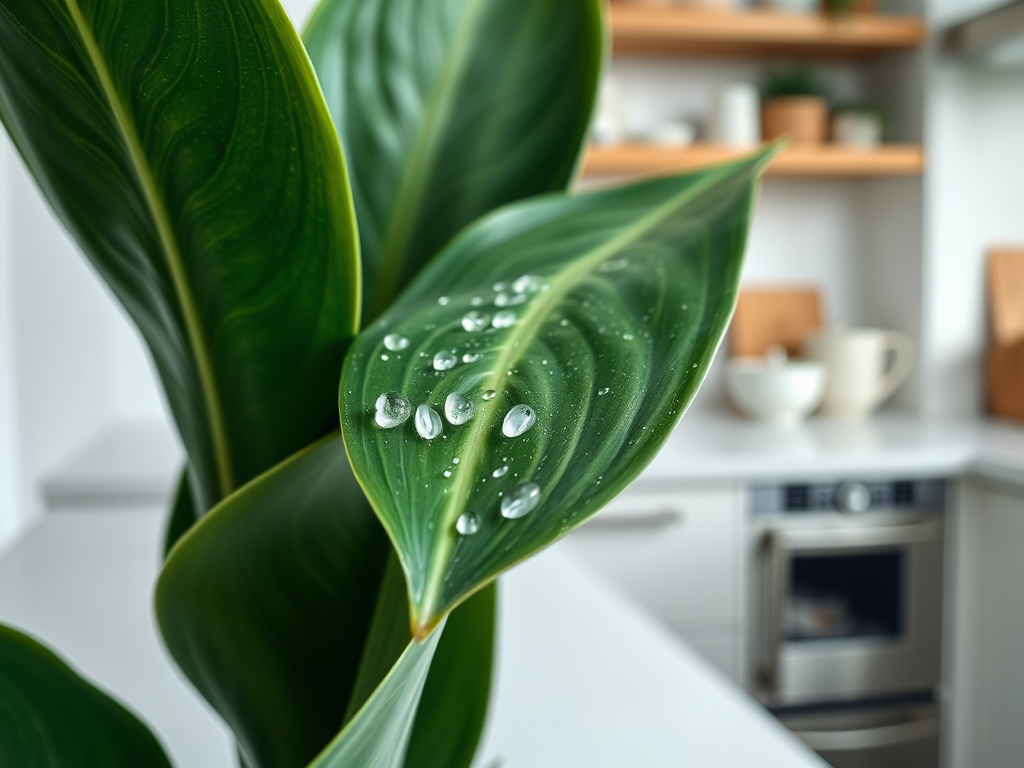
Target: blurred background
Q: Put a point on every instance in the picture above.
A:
(885, 214)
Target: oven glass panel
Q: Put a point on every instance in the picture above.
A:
(844, 596)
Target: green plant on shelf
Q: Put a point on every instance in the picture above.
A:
(382, 203)
(795, 80)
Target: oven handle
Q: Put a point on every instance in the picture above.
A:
(797, 539)
(641, 521)
(871, 738)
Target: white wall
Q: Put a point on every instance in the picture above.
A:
(9, 470)
(974, 199)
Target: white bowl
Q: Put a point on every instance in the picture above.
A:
(781, 393)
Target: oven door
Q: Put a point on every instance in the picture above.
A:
(852, 611)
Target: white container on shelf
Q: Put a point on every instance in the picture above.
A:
(857, 128)
(736, 116)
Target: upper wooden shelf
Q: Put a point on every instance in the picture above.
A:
(826, 161)
(638, 29)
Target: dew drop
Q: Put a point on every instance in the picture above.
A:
(477, 301)
(470, 357)
(694, 365)
(395, 342)
(447, 473)
(444, 361)
(443, 300)
(458, 409)
(604, 391)
(467, 524)
(518, 420)
(456, 460)
(428, 423)
(628, 336)
(393, 408)
(504, 319)
(490, 394)
(384, 358)
(500, 471)
(521, 500)
(527, 284)
(509, 299)
(564, 323)
(475, 321)
(499, 287)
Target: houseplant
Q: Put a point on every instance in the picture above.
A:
(335, 604)
(795, 105)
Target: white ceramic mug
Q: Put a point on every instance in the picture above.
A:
(859, 379)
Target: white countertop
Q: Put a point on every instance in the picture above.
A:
(706, 448)
(584, 679)
(138, 464)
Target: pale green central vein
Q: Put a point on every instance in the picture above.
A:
(523, 333)
(421, 159)
(172, 254)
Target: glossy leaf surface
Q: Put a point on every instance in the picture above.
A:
(599, 312)
(266, 603)
(52, 718)
(188, 149)
(448, 109)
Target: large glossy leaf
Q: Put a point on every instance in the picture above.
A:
(448, 109)
(188, 149)
(52, 718)
(266, 603)
(600, 312)
(277, 607)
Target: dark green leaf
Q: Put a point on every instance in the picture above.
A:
(378, 735)
(52, 718)
(453, 709)
(266, 603)
(624, 298)
(188, 149)
(183, 513)
(449, 109)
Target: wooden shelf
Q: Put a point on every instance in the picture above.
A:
(638, 29)
(632, 160)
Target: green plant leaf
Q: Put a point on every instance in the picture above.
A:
(183, 513)
(52, 718)
(453, 708)
(611, 307)
(448, 109)
(378, 735)
(277, 607)
(266, 603)
(188, 149)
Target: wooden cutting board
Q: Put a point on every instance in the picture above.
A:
(767, 316)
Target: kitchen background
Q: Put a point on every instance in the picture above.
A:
(905, 253)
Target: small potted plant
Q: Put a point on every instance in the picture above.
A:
(795, 106)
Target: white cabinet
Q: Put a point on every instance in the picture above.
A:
(986, 628)
(677, 552)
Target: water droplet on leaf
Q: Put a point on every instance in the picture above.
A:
(518, 420)
(428, 423)
(443, 300)
(475, 321)
(504, 319)
(490, 394)
(444, 361)
(467, 524)
(395, 342)
(500, 471)
(458, 409)
(521, 500)
(393, 408)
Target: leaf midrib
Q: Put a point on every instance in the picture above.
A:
(420, 162)
(169, 247)
(516, 343)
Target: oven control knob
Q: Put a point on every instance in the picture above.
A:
(853, 497)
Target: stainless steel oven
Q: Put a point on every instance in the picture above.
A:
(848, 614)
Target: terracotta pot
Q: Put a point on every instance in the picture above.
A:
(803, 119)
